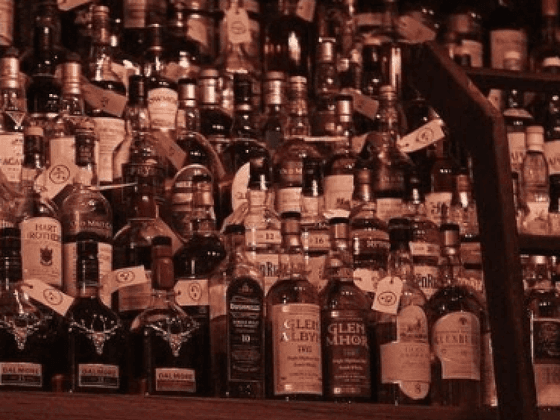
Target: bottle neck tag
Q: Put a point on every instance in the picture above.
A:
(388, 295)
(60, 174)
(422, 137)
(414, 31)
(65, 5)
(47, 295)
(363, 104)
(123, 277)
(237, 21)
(106, 100)
(167, 147)
(306, 9)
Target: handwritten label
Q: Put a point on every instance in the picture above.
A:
(123, 277)
(413, 30)
(167, 147)
(422, 137)
(196, 30)
(47, 295)
(66, 5)
(60, 174)
(306, 9)
(388, 295)
(364, 104)
(108, 101)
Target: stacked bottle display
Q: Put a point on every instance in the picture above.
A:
(244, 200)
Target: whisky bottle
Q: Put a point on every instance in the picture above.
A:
(369, 235)
(28, 336)
(346, 323)
(38, 217)
(543, 311)
(326, 85)
(96, 335)
(456, 319)
(237, 324)
(547, 49)
(294, 368)
(275, 120)
(85, 209)
(164, 353)
(402, 328)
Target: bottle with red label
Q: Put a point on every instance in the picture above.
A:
(347, 324)
(294, 368)
(401, 326)
(456, 319)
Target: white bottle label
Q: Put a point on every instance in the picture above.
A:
(388, 295)
(21, 374)
(11, 156)
(288, 199)
(296, 349)
(422, 137)
(517, 150)
(338, 191)
(135, 13)
(110, 132)
(175, 380)
(48, 295)
(197, 31)
(192, 292)
(552, 154)
(41, 250)
(456, 343)
(162, 106)
(98, 376)
(406, 361)
(504, 40)
(434, 205)
(387, 208)
(62, 148)
(70, 257)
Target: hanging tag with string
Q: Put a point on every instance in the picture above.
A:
(388, 295)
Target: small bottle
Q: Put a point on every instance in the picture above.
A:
(347, 324)
(543, 310)
(535, 183)
(402, 328)
(237, 324)
(455, 312)
(275, 119)
(165, 358)
(96, 335)
(326, 87)
(293, 324)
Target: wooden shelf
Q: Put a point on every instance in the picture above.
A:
(55, 406)
(543, 245)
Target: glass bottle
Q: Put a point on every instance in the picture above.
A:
(293, 323)
(543, 311)
(8, 20)
(29, 338)
(339, 168)
(326, 86)
(425, 240)
(369, 235)
(105, 105)
(402, 328)
(535, 183)
(85, 210)
(554, 208)
(275, 120)
(347, 324)
(548, 48)
(454, 311)
(314, 226)
(96, 335)
(165, 356)
(38, 217)
(237, 322)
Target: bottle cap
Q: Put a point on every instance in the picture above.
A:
(154, 37)
(9, 72)
(463, 183)
(535, 137)
(242, 89)
(326, 50)
(101, 25)
(340, 228)
(291, 223)
(187, 89)
(274, 88)
(163, 276)
(513, 60)
(209, 73)
(344, 105)
(538, 260)
(551, 62)
(387, 92)
(259, 173)
(450, 235)
(71, 73)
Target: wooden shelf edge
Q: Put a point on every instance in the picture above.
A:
(536, 244)
(47, 406)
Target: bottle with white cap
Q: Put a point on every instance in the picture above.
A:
(535, 183)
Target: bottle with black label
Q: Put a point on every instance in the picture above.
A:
(96, 335)
(347, 324)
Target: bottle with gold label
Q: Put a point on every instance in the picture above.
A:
(456, 321)
(402, 326)
(294, 368)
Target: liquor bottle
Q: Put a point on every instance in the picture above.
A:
(370, 238)
(132, 247)
(165, 356)
(346, 324)
(28, 336)
(137, 15)
(12, 115)
(38, 217)
(547, 50)
(516, 117)
(85, 210)
(294, 369)
(339, 168)
(96, 335)
(237, 324)
(106, 103)
(288, 42)
(402, 328)
(520, 208)
(161, 91)
(425, 241)
(288, 159)
(535, 183)
(326, 86)
(215, 124)
(454, 312)
(275, 120)
(543, 310)
(200, 21)
(554, 208)
(314, 226)
(8, 19)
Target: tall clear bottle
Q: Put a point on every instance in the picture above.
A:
(164, 357)
(293, 318)
(402, 328)
(456, 321)
(237, 324)
(347, 324)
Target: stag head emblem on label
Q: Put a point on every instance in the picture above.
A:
(98, 336)
(176, 339)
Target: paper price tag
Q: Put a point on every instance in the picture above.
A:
(414, 30)
(388, 295)
(48, 295)
(196, 30)
(167, 147)
(123, 277)
(306, 9)
(364, 104)
(106, 100)
(422, 137)
(60, 174)
(237, 22)
(239, 186)
(66, 5)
